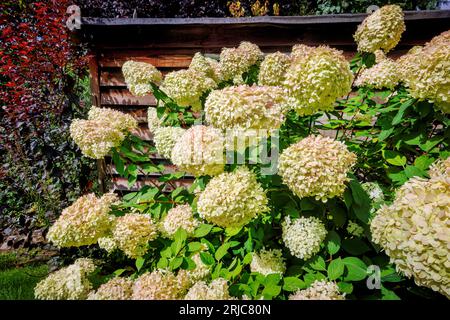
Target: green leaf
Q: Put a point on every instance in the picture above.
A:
(399, 116)
(423, 162)
(271, 291)
(361, 201)
(384, 134)
(202, 230)
(176, 262)
(118, 162)
(412, 171)
(293, 284)
(333, 243)
(356, 269)
(232, 231)
(207, 258)
(195, 246)
(345, 287)
(139, 263)
(335, 269)
(387, 294)
(318, 263)
(355, 246)
(248, 258)
(163, 263)
(395, 158)
(222, 251)
(118, 272)
(179, 237)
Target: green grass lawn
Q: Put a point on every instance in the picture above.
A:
(18, 283)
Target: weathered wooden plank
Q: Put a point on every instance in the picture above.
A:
(121, 96)
(289, 20)
(113, 77)
(159, 61)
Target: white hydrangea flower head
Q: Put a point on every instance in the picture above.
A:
(316, 166)
(84, 222)
(200, 151)
(179, 217)
(139, 75)
(381, 30)
(165, 139)
(200, 272)
(132, 233)
(246, 107)
(216, 290)
(355, 229)
(426, 72)
(374, 191)
(301, 51)
(303, 236)
(232, 199)
(116, 119)
(414, 231)
(268, 262)
(152, 119)
(158, 285)
(95, 138)
(68, 283)
(107, 243)
(115, 289)
(208, 66)
(186, 87)
(105, 129)
(315, 81)
(236, 61)
(319, 290)
(384, 74)
(439, 168)
(273, 69)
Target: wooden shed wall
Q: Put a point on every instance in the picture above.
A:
(169, 44)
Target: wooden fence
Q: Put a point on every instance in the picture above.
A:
(169, 44)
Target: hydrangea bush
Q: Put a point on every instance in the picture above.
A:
(356, 206)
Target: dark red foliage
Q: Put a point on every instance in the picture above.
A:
(35, 55)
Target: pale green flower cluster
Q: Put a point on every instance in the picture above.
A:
(165, 139)
(384, 74)
(234, 62)
(374, 191)
(152, 119)
(186, 87)
(139, 75)
(107, 243)
(314, 81)
(319, 290)
(132, 232)
(415, 231)
(200, 151)
(301, 51)
(381, 30)
(303, 236)
(246, 107)
(440, 167)
(84, 222)
(207, 66)
(426, 72)
(232, 199)
(273, 69)
(69, 283)
(200, 272)
(159, 285)
(115, 289)
(216, 290)
(316, 166)
(268, 262)
(104, 129)
(179, 217)
(355, 229)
